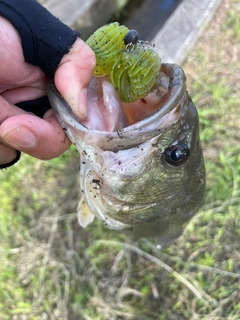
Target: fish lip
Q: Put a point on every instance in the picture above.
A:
(132, 135)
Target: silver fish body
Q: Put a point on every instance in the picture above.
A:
(147, 178)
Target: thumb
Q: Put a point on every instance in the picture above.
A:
(73, 76)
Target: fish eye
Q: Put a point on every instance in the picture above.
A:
(131, 37)
(176, 155)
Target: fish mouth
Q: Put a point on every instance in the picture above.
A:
(130, 124)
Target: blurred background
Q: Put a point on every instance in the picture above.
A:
(51, 268)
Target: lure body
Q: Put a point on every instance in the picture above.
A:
(132, 65)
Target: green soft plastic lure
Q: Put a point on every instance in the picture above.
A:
(132, 65)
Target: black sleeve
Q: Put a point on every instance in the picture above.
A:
(45, 39)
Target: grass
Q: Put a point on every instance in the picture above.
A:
(52, 269)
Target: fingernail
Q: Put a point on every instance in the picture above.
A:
(20, 137)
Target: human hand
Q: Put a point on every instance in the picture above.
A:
(20, 81)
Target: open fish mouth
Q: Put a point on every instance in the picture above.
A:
(117, 125)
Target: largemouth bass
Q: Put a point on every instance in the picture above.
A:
(142, 168)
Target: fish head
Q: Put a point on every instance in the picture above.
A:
(145, 176)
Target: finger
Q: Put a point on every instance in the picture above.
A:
(40, 138)
(7, 154)
(25, 93)
(73, 76)
(8, 110)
